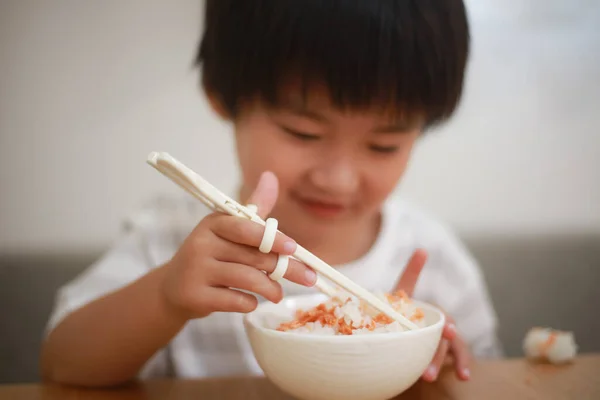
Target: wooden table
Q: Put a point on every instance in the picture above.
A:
(506, 379)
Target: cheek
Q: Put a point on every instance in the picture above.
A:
(260, 148)
(383, 179)
(381, 185)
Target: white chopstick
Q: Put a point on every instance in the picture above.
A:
(218, 201)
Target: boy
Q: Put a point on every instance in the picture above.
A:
(326, 99)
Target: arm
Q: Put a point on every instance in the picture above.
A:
(107, 341)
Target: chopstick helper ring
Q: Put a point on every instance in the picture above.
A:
(266, 245)
(269, 236)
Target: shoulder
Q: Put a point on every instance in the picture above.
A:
(166, 214)
(162, 223)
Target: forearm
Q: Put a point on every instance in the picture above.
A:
(107, 342)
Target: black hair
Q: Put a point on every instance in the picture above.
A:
(410, 55)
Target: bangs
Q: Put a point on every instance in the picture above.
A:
(406, 56)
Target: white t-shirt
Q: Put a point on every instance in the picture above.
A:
(217, 345)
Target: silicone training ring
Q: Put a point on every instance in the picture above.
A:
(269, 236)
(283, 262)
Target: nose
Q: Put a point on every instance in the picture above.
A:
(336, 175)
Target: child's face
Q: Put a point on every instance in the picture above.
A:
(335, 168)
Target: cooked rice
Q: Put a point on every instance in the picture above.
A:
(346, 315)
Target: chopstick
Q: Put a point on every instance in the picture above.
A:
(218, 201)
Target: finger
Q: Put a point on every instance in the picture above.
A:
(410, 276)
(245, 277)
(431, 373)
(449, 332)
(249, 233)
(297, 272)
(226, 300)
(462, 358)
(265, 194)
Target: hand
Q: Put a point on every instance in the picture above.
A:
(451, 343)
(221, 256)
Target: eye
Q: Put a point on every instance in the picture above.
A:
(384, 149)
(301, 135)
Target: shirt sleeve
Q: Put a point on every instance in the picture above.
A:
(458, 286)
(126, 261)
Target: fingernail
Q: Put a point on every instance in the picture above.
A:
(451, 330)
(311, 276)
(466, 373)
(452, 327)
(289, 247)
(432, 372)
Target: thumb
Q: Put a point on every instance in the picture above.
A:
(410, 276)
(265, 194)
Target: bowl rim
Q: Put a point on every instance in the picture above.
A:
(250, 320)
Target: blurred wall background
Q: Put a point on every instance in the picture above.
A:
(87, 89)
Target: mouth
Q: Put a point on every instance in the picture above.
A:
(321, 208)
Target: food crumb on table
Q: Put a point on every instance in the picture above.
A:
(547, 344)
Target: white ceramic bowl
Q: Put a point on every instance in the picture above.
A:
(374, 366)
